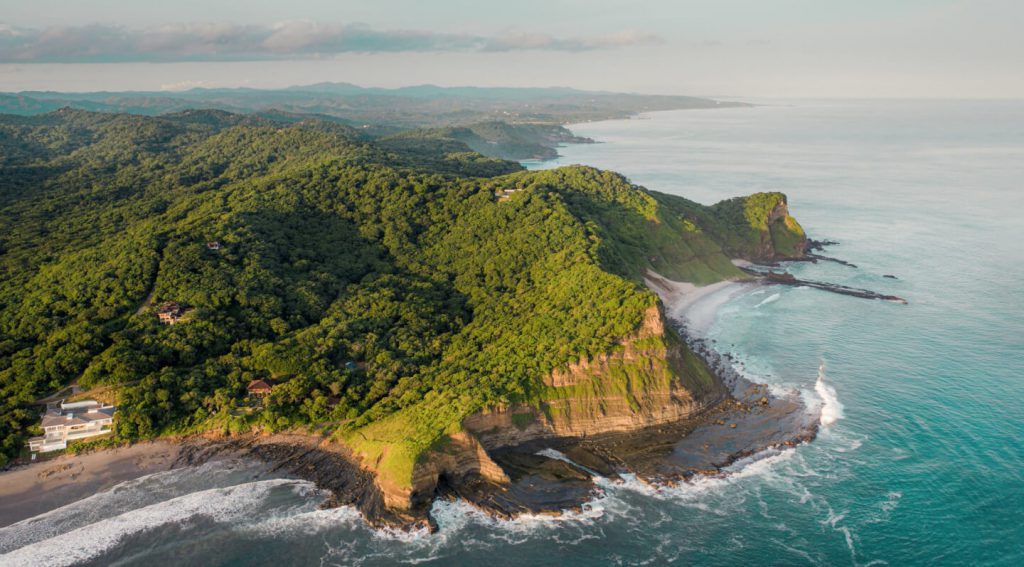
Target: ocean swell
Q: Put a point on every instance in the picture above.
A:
(222, 505)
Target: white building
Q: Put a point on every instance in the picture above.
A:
(70, 421)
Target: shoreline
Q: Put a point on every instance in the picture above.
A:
(748, 419)
(29, 490)
(682, 298)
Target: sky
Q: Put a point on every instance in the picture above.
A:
(737, 48)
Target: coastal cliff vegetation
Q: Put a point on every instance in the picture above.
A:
(387, 290)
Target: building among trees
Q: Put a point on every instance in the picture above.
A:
(258, 389)
(170, 312)
(69, 421)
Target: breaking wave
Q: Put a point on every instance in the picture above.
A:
(222, 505)
(770, 299)
(831, 409)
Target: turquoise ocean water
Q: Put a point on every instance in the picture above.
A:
(922, 461)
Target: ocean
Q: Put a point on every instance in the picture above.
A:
(920, 459)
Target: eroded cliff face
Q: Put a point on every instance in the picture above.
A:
(761, 228)
(785, 238)
(461, 456)
(651, 378)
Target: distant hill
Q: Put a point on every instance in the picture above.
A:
(395, 109)
(495, 139)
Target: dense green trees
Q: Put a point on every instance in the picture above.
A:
(492, 138)
(381, 286)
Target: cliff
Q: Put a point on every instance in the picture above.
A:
(761, 227)
(458, 456)
(650, 378)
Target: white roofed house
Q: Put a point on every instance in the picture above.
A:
(71, 421)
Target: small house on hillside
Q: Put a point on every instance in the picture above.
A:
(213, 245)
(258, 389)
(504, 194)
(170, 312)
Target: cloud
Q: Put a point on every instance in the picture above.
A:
(284, 40)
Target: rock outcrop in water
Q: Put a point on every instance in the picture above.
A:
(786, 278)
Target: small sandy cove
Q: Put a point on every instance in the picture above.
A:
(679, 297)
(30, 490)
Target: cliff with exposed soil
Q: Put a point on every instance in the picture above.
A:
(650, 378)
(760, 228)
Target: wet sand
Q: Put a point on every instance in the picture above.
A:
(680, 297)
(33, 489)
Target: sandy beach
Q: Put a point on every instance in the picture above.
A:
(682, 298)
(30, 490)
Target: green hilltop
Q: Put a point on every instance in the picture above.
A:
(387, 289)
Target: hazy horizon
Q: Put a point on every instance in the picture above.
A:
(764, 99)
(733, 48)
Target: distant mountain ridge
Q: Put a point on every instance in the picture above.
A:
(386, 109)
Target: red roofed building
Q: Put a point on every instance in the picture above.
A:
(258, 388)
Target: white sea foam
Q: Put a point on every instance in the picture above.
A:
(560, 456)
(304, 521)
(757, 465)
(124, 496)
(770, 299)
(831, 409)
(455, 517)
(220, 504)
(741, 364)
(892, 500)
(465, 528)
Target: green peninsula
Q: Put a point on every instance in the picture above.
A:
(390, 289)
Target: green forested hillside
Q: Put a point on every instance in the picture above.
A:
(386, 289)
(496, 139)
